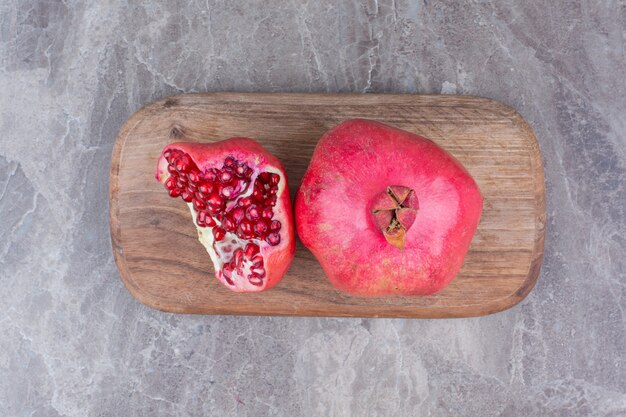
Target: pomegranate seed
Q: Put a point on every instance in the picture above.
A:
(264, 177)
(167, 155)
(214, 200)
(182, 163)
(227, 192)
(245, 201)
(227, 273)
(202, 218)
(257, 262)
(273, 239)
(209, 176)
(238, 256)
(274, 179)
(186, 196)
(271, 200)
(226, 177)
(172, 169)
(257, 194)
(205, 188)
(255, 280)
(218, 233)
(237, 214)
(174, 192)
(192, 188)
(206, 218)
(229, 224)
(240, 171)
(273, 190)
(213, 210)
(194, 176)
(260, 227)
(170, 183)
(257, 272)
(251, 250)
(267, 213)
(181, 184)
(201, 196)
(230, 162)
(198, 204)
(252, 213)
(275, 226)
(246, 227)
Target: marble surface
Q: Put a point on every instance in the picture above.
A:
(73, 342)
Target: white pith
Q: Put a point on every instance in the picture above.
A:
(221, 252)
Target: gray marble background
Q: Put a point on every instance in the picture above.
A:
(73, 342)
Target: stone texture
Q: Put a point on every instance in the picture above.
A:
(75, 343)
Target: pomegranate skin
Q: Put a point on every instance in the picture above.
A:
(352, 166)
(277, 259)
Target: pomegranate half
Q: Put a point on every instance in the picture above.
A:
(386, 211)
(239, 200)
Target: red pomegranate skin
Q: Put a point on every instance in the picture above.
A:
(352, 166)
(277, 259)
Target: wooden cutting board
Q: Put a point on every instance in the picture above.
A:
(164, 266)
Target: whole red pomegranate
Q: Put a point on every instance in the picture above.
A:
(386, 211)
(239, 199)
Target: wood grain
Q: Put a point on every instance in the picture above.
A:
(164, 266)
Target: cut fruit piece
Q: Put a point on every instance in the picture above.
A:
(233, 188)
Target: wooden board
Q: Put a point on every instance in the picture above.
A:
(164, 266)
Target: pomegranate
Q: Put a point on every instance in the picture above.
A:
(239, 199)
(386, 211)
